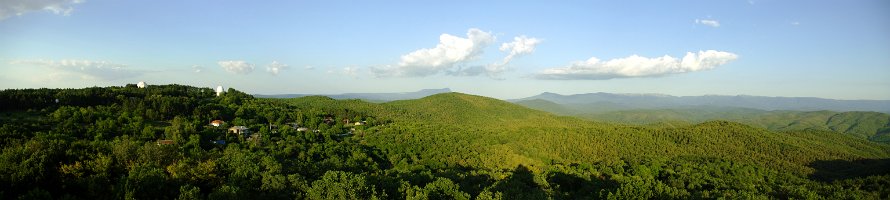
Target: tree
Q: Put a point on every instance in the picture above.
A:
(341, 185)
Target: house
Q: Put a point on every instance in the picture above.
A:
(217, 123)
(240, 130)
(165, 142)
(302, 129)
(360, 123)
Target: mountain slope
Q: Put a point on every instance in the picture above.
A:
(467, 130)
(869, 125)
(464, 109)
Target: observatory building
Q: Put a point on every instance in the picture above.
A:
(219, 90)
(141, 84)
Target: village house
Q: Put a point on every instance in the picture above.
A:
(217, 123)
(302, 129)
(239, 130)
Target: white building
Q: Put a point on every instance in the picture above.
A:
(219, 90)
(141, 84)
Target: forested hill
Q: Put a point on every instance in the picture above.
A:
(873, 126)
(471, 110)
(173, 141)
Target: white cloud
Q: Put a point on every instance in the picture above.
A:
(795, 23)
(309, 67)
(638, 66)
(9, 8)
(236, 66)
(275, 67)
(85, 69)
(197, 68)
(450, 52)
(708, 22)
(521, 45)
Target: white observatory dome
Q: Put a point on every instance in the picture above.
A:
(219, 90)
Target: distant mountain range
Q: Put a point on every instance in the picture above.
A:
(371, 97)
(604, 102)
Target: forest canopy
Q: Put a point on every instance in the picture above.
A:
(183, 142)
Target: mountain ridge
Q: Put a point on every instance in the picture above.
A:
(652, 101)
(372, 97)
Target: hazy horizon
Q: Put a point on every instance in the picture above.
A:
(505, 50)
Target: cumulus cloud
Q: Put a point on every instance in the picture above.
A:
(236, 66)
(9, 8)
(638, 66)
(275, 67)
(450, 52)
(521, 45)
(708, 22)
(85, 69)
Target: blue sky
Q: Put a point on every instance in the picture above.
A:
(501, 49)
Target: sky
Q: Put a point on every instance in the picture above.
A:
(502, 49)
